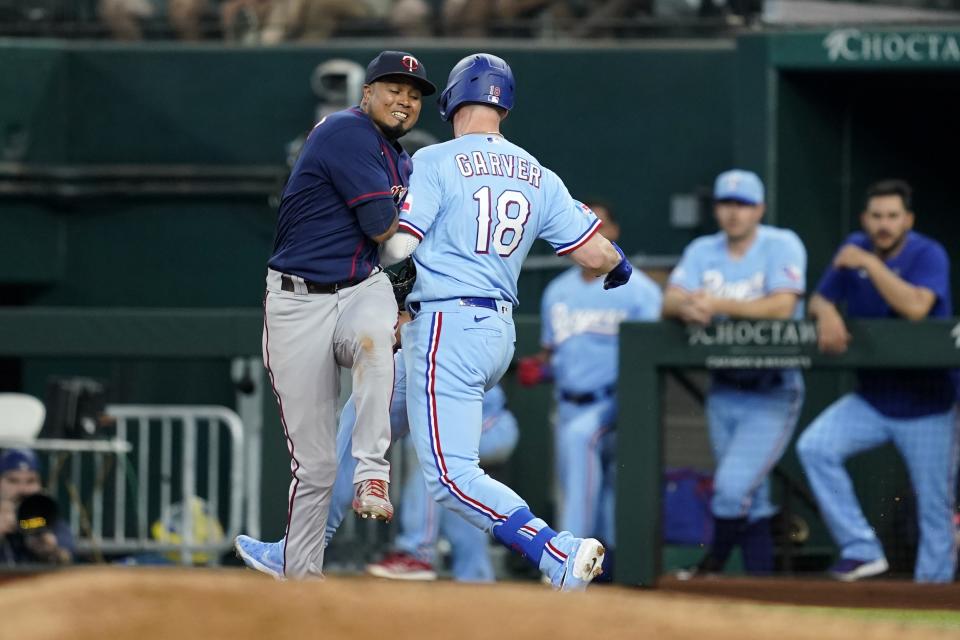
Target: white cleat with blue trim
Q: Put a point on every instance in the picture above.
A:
(583, 566)
(265, 557)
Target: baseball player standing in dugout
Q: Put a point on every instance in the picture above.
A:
(886, 271)
(476, 205)
(746, 270)
(329, 305)
(580, 353)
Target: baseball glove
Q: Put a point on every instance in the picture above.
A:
(402, 276)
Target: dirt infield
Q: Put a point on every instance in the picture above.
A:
(881, 594)
(175, 604)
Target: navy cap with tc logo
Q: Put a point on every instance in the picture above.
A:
(400, 63)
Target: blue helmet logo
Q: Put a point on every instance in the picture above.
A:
(480, 78)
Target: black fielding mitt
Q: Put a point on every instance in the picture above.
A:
(402, 276)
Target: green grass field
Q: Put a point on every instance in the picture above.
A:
(936, 618)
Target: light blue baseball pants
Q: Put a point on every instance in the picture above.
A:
(584, 443)
(749, 431)
(928, 445)
(421, 518)
(453, 354)
(451, 361)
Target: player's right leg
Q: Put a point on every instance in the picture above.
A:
(847, 427)
(470, 549)
(928, 445)
(765, 422)
(298, 354)
(721, 425)
(364, 339)
(450, 360)
(579, 435)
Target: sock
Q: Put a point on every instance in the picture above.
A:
(726, 535)
(756, 541)
(526, 534)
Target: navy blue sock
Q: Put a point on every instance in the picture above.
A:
(726, 535)
(526, 543)
(756, 542)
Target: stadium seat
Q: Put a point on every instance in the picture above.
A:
(21, 417)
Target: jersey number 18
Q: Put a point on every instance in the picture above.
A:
(508, 229)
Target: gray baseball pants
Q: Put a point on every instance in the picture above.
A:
(306, 339)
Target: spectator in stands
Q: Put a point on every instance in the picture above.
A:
(412, 18)
(754, 271)
(186, 18)
(43, 542)
(886, 271)
(515, 18)
(309, 20)
(243, 20)
(123, 18)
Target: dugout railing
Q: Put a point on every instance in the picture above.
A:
(650, 351)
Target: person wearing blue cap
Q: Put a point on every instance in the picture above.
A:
(753, 271)
(30, 531)
(329, 304)
(19, 474)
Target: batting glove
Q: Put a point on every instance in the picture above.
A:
(531, 370)
(621, 273)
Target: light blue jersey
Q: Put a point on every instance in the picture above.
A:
(484, 201)
(581, 324)
(776, 261)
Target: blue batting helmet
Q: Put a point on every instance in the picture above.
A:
(480, 78)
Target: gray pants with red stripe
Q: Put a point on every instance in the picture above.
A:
(306, 339)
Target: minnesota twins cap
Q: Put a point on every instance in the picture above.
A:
(400, 63)
(739, 185)
(19, 460)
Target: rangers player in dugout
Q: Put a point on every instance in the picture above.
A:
(329, 305)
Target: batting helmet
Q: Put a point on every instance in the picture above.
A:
(480, 78)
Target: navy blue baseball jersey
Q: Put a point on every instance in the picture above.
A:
(344, 163)
(922, 262)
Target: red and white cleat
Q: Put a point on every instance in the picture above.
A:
(371, 500)
(402, 566)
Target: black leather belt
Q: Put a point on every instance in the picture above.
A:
(589, 397)
(287, 284)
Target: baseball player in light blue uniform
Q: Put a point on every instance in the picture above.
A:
(887, 271)
(746, 270)
(420, 520)
(579, 336)
(476, 205)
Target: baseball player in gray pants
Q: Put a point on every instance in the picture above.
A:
(329, 305)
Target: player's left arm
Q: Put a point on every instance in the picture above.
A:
(571, 228)
(911, 300)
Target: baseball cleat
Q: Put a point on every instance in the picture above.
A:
(583, 566)
(372, 500)
(850, 569)
(265, 557)
(402, 566)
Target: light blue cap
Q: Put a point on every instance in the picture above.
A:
(739, 185)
